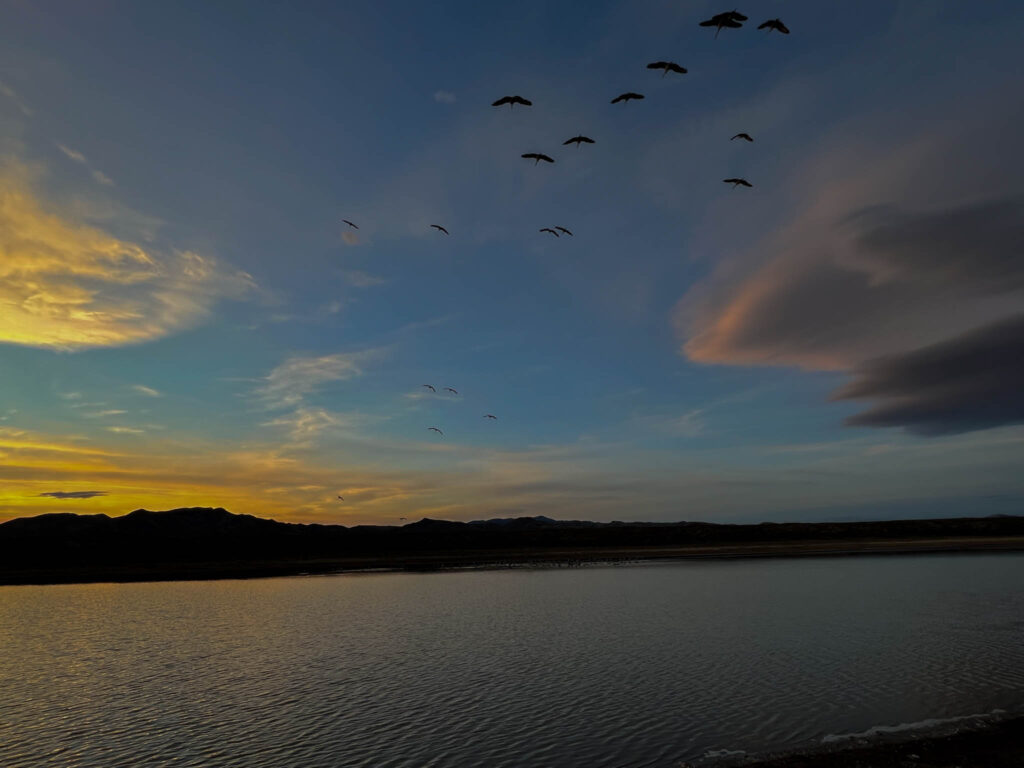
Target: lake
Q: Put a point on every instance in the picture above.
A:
(639, 665)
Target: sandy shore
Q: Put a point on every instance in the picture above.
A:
(432, 561)
(1000, 745)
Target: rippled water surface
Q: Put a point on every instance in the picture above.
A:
(614, 666)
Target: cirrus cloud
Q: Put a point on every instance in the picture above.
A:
(67, 285)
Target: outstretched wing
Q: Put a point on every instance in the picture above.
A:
(531, 156)
(428, 386)
(350, 224)
(781, 27)
(563, 229)
(521, 100)
(502, 101)
(545, 157)
(658, 65)
(735, 16)
(617, 99)
(709, 23)
(673, 67)
(732, 23)
(548, 229)
(586, 139)
(439, 228)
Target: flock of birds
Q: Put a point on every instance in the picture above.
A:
(727, 20)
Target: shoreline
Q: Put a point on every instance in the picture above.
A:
(992, 744)
(497, 559)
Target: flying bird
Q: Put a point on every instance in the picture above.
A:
(549, 229)
(439, 228)
(563, 229)
(512, 101)
(428, 386)
(342, 498)
(435, 429)
(738, 182)
(577, 140)
(537, 157)
(490, 416)
(729, 20)
(668, 66)
(627, 97)
(350, 224)
(775, 24)
(741, 136)
(449, 389)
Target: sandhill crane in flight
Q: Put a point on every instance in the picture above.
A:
(449, 389)
(428, 386)
(745, 136)
(668, 66)
(537, 157)
(577, 140)
(626, 97)
(341, 497)
(350, 224)
(435, 429)
(512, 101)
(738, 182)
(549, 229)
(490, 416)
(729, 20)
(775, 24)
(563, 229)
(439, 228)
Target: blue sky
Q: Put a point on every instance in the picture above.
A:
(185, 319)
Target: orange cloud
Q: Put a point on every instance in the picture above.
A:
(67, 285)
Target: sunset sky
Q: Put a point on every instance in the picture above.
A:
(186, 321)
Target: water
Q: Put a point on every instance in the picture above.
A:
(614, 666)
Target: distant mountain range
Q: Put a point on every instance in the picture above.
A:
(204, 542)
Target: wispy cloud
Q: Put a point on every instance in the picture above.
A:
(444, 97)
(74, 494)
(359, 279)
(66, 285)
(11, 94)
(78, 157)
(298, 377)
(148, 391)
(104, 414)
(126, 430)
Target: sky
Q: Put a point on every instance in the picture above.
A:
(185, 320)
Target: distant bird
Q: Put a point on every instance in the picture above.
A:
(537, 157)
(490, 416)
(401, 518)
(741, 136)
(668, 66)
(577, 140)
(350, 224)
(549, 229)
(563, 229)
(775, 24)
(738, 182)
(342, 498)
(439, 228)
(627, 97)
(430, 388)
(727, 20)
(512, 101)
(449, 389)
(435, 429)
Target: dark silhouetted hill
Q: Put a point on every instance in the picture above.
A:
(215, 541)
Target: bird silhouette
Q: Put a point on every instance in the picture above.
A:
(563, 229)
(626, 97)
(577, 140)
(435, 429)
(428, 386)
(401, 519)
(439, 228)
(727, 20)
(350, 224)
(449, 389)
(775, 24)
(342, 498)
(738, 183)
(549, 229)
(490, 416)
(512, 101)
(668, 66)
(537, 157)
(741, 136)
